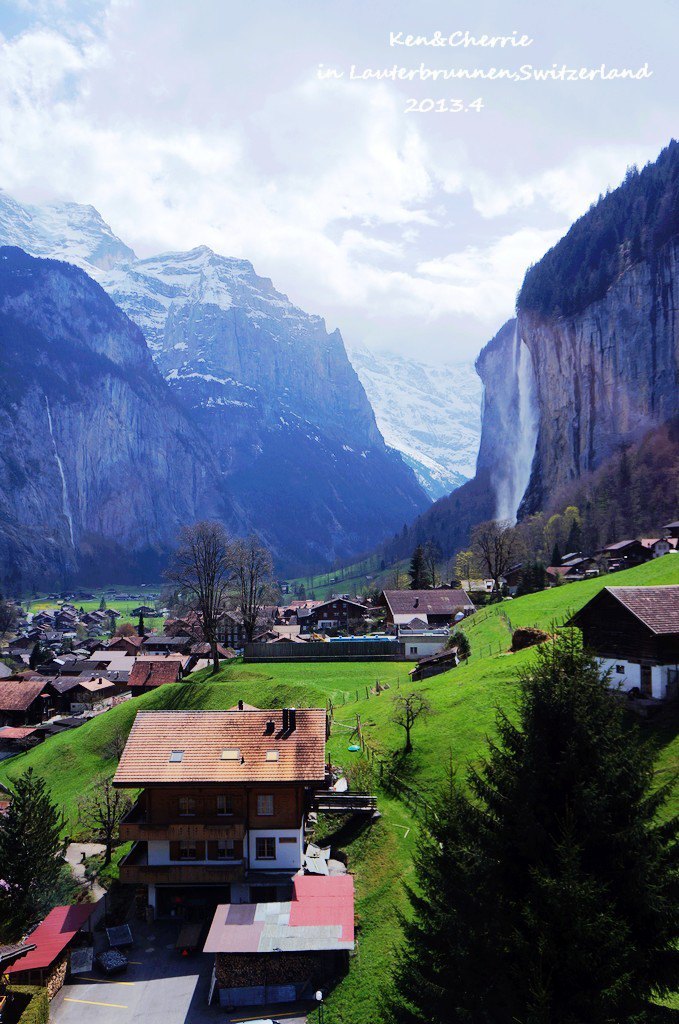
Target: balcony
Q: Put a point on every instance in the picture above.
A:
(136, 870)
(135, 828)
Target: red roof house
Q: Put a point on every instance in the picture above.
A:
(50, 939)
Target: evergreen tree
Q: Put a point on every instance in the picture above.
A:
(30, 841)
(418, 569)
(556, 555)
(102, 604)
(550, 893)
(141, 629)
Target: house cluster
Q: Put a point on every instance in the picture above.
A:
(219, 831)
(622, 554)
(66, 690)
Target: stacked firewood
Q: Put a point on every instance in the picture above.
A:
(235, 970)
(56, 977)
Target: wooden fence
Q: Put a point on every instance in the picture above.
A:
(318, 650)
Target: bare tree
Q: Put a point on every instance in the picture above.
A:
(254, 577)
(407, 708)
(114, 747)
(202, 569)
(432, 557)
(100, 812)
(495, 545)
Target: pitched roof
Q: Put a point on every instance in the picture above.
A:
(18, 695)
(154, 672)
(620, 544)
(319, 916)
(656, 607)
(427, 602)
(52, 936)
(204, 737)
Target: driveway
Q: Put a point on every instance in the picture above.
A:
(159, 987)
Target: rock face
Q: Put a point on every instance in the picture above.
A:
(430, 414)
(604, 377)
(99, 466)
(280, 409)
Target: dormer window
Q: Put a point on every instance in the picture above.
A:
(176, 756)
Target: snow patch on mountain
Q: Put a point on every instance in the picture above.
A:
(430, 414)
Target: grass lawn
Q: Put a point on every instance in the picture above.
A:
(464, 702)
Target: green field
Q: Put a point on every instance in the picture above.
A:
(147, 596)
(350, 579)
(464, 702)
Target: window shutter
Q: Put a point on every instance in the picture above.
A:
(212, 849)
(174, 851)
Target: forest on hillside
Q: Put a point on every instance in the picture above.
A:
(627, 225)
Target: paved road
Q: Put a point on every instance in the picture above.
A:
(159, 987)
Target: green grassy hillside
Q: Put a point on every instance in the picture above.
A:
(464, 702)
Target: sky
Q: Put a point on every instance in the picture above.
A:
(189, 122)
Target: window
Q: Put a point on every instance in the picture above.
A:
(265, 848)
(187, 806)
(226, 849)
(264, 806)
(187, 849)
(620, 669)
(224, 804)
(231, 754)
(271, 755)
(413, 650)
(176, 756)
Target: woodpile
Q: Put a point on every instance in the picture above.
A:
(529, 636)
(56, 977)
(236, 970)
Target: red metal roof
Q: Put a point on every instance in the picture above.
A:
(320, 916)
(52, 936)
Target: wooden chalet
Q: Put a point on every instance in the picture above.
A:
(634, 632)
(223, 805)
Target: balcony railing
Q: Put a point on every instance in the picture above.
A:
(135, 870)
(134, 827)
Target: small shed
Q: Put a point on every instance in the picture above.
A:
(47, 962)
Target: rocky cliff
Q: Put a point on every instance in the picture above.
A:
(299, 456)
(605, 376)
(99, 466)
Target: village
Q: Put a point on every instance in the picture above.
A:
(232, 824)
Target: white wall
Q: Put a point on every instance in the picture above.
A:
(422, 647)
(288, 855)
(631, 676)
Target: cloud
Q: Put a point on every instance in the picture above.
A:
(356, 211)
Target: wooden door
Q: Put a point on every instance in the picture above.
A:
(646, 681)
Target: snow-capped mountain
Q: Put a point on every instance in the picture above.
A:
(430, 414)
(301, 460)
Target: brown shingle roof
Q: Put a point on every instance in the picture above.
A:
(656, 607)
(18, 695)
(427, 602)
(203, 736)
(154, 672)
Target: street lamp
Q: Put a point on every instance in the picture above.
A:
(319, 1000)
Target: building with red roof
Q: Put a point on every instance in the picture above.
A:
(278, 951)
(51, 941)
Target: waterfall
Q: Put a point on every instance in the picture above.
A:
(64, 489)
(512, 487)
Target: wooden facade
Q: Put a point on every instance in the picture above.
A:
(612, 631)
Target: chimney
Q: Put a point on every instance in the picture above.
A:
(292, 719)
(240, 705)
(417, 602)
(270, 727)
(286, 719)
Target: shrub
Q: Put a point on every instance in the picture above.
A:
(37, 1006)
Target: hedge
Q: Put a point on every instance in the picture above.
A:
(37, 1010)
